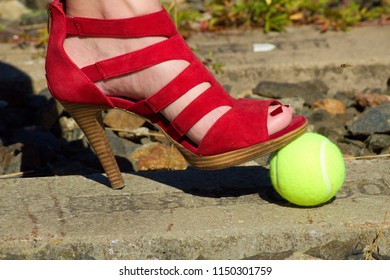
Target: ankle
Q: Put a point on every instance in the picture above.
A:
(111, 9)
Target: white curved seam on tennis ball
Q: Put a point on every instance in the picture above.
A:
(323, 167)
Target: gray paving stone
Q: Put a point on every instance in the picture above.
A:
(226, 214)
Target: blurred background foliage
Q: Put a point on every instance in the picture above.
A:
(276, 15)
(214, 15)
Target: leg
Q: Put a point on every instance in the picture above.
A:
(112, 8)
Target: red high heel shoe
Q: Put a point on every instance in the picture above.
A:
(238, 136)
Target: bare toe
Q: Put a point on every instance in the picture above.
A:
(279, 117)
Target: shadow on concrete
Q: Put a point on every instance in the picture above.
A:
(230, 182)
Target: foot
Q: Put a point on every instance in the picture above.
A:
(143, 84)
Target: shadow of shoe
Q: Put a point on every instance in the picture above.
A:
(230, 182)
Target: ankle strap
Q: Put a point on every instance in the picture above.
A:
(155, 24)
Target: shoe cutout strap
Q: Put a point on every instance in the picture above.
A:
(170, 49)
(180, 85)
(154, 24)
(209, 100)
(190, 77)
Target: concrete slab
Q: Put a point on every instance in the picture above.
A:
(301, 53)
(226, 214)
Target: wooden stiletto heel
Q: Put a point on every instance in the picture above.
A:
(89, 119)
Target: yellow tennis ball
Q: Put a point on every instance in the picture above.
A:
(308, 171)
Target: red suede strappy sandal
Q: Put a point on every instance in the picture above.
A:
(238, 136)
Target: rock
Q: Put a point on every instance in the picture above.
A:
(15, 85)
(327, 125)
(70, 131)
(296, 103)
(156, 156)
(378, 143)
(371, 99)
(310, 91)
(119, 119)
(18, 158)
(49, 114)
(349, 115)
(353, 148)
(126, 125)
(373, 120)
(12, 9)
(139, 135)
(11, 158)
(387, 90)
(332, 106)
(347, 98)
(121, 147)
(80, 150)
